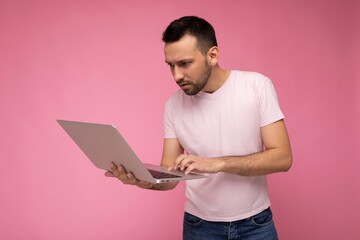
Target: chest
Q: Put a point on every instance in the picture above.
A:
(211, 124)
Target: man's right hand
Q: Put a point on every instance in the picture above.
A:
(127, 178)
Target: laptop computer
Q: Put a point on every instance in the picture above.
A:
(103, 144)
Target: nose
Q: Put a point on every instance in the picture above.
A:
(177, 74)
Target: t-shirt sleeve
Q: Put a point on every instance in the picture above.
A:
(169, 130)
(270, 111)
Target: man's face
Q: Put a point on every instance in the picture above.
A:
(188, 65)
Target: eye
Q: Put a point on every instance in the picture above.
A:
(185, 64)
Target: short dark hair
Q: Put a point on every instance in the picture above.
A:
(194, 26)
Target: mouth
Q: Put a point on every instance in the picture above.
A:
(185, 86)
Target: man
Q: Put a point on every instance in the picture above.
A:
(226, 124)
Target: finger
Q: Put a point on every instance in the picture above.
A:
(190, 168)
(131, 179)
(178, 161)
(117, 171)
(170, 168)
(186, 163)
(113, 166)
(120, 173)
(109, 174)
(124, 176)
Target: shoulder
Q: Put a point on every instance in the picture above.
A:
(251, 77)
(252, 80)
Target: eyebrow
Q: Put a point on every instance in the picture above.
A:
(180, 61)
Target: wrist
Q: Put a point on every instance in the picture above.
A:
(220, 165)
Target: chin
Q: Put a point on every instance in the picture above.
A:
(190, 92)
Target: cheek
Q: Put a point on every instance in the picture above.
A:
(194, 72)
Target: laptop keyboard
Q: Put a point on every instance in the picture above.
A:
(162, 175)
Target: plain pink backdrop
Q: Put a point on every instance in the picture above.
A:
(102, 61)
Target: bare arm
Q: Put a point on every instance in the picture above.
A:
(276, 157)
(171, 150)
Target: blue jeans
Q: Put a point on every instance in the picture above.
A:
(259, 226)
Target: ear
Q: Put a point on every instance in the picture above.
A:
(213, 56)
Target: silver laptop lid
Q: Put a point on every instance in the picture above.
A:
(103, 144)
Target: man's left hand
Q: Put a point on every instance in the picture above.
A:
(191, 163)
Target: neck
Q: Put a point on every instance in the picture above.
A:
(217, 78)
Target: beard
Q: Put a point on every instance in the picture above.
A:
(196, 87)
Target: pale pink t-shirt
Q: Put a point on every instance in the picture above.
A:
(224, 123)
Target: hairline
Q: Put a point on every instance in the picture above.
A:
(203, 46)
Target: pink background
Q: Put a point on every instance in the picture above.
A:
(102, 61)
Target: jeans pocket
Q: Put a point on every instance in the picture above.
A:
(263, 219)
(191, 219)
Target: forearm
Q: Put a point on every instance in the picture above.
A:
(261, 163)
